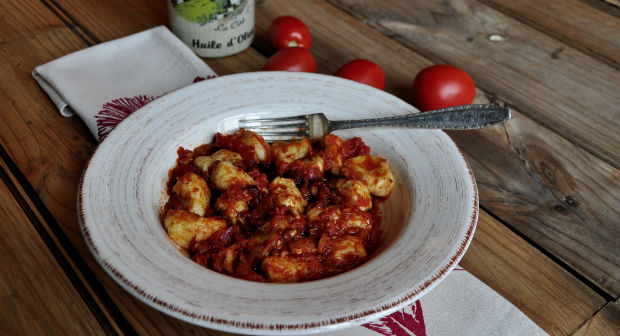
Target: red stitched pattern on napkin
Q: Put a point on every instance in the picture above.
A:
(408, 321)
(115, 111)
(198, 79)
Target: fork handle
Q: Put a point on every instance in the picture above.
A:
(463, 117)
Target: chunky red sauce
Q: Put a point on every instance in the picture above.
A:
(268, 230)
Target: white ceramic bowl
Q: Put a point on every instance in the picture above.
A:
(428, 224)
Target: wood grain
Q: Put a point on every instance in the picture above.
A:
(613, 2)
(56, 148)
(590, 30)
(605, 323)
(64, 253)
(338, 38)
(556, 194)
(548, 286)
(577, 255)
(36, 298)
(558, 86)
(583, 252)
(111, 19)
(527, 174)
(51, 151)
(13, 24)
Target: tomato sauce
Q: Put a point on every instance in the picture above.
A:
(261, 228)
(233, 143)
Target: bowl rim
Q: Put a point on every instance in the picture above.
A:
(295, 328)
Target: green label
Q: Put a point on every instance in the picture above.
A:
(205, 11)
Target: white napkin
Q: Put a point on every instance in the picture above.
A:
(104, 83)
(460, 305)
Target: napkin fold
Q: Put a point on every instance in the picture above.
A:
(105, 83)
(459, 305)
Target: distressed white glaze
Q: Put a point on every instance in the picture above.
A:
(429, 219)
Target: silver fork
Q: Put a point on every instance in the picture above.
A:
(314, 126)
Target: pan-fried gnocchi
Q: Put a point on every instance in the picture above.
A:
(226, 175)
(193, 192)
(185, 227)
(373, 170)
(204, 163)
(280, 212)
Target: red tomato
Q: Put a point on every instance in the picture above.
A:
(363, 71)
(442, 85)
(291, 59)
(289, 31)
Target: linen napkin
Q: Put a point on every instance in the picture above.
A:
(459, 305)
(105, 83)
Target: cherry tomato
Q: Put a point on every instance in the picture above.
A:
(291, 59)
(363, 71)
(288, 31)
(442, 85)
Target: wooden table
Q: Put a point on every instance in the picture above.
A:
(548, 238)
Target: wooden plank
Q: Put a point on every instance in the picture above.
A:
(546, 293)
(611, 6)
(141, 15)
(55, 240)
(605, 323)
(36, 297)
(143, 319)
(554, 84)
(13, 24)
(330, 58)
(531, 186)
(112, 19)
(51, 151)
(613, 2)
(590, 30)
(338, 38)
(557, 194)
(577, 255)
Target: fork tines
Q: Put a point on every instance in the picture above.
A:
(274, 129)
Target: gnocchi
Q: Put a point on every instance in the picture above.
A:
(193, 193)
(226, 175)
(373, 171)
(185, 227)
(286, 194)
(204, 163)
(281, 212)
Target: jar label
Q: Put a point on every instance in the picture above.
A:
(213, 28)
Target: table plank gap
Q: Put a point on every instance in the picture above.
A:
(39, 294)
(71, 23)
(559, 86)
(553, 18)
(135, 16)
(611, 6)
(107, 27)
(606, 322)
(558, 261)
(535, 181)
(547, 283)
(52, 150)
(70, 261)
(528, 175)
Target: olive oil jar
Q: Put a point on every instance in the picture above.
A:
(213, 28)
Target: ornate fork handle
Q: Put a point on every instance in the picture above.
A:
(464, 117)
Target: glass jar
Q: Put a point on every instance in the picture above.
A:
(213, 28)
